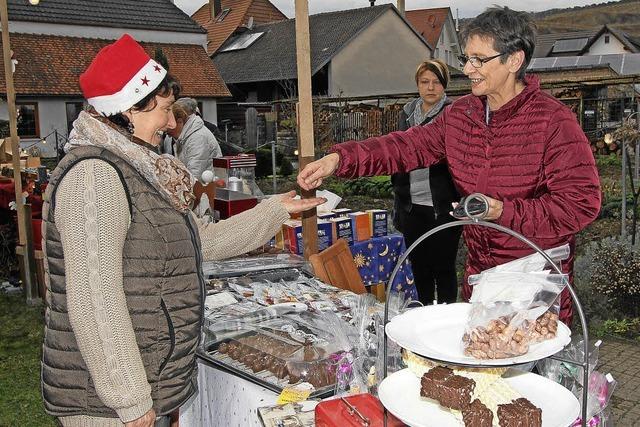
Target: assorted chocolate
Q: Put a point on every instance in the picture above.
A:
(519, 413)
(432, 380)
(457, 392)
(260, 352)
(477, 415)
(499, 339)
(450, 390)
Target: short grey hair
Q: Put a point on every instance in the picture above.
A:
(510, 30)
(189, 105)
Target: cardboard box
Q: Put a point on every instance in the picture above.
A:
(342, 229)
(361, 226)
(325, 234)
(292, 236)
(278, 240)
(292, 232)
(379, 222)
(33, 162)
(342, 212)
(325, 215)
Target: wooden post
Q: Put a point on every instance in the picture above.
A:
(24, 223)
(304, 113)
(30, 284)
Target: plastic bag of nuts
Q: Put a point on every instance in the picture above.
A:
(511, 311)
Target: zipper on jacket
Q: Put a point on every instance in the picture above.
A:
(172, 334)
(196, 247)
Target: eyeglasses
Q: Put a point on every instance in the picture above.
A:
(476, 61)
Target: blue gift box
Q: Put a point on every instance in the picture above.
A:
(325, 234)
(376, 258)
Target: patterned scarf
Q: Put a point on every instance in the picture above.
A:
(164, 172)
(419, 116)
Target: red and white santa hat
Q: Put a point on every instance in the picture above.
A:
(119, 76)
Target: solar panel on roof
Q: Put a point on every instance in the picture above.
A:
(242, 42)
(624, 64)
(569, 45)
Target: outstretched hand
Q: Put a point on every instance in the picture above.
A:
(298, 205)
(311, 176)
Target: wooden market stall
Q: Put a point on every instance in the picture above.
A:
(24, 228)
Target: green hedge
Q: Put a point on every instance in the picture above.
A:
(264, 166)
(377, 187)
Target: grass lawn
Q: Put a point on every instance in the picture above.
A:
(21, 330)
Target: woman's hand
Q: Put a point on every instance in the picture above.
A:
(147, 420)
(311, 176)
(494, 212)
(298, 205)
(495, 209)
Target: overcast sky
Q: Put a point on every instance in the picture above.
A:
(466, 8)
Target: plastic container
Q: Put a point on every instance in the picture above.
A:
(282, 351)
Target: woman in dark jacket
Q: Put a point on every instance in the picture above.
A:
(423, 197)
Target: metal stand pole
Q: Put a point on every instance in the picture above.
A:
(476, 223)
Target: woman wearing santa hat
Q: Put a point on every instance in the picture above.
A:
(123, 253)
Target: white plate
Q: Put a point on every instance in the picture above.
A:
(435, 332)
(400, 394)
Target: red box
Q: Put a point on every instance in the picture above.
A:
(335, 413)
(230, 162)
(229, 208)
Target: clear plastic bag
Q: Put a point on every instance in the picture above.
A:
(570, 375)
(510, 311)
(397, 305)
(531, 263)
(245, 265)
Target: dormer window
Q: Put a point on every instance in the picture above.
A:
(223, 15)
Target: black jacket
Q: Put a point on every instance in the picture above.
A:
(443, 192)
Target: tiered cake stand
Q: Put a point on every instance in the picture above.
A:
(442, 357)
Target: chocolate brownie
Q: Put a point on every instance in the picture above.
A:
(477, 415)
(455, 392)
(431, 381)
(519, 413)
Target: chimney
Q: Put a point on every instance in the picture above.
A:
(457, 21)
(216, 7)
(400, 6)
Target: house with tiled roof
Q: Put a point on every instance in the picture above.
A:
(605, 40)
(223, 18)
(438, 28)
(366, 51)
(56, 40)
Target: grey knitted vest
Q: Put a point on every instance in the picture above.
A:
(163, 286)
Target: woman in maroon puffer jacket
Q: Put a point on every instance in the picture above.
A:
(508, 140)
